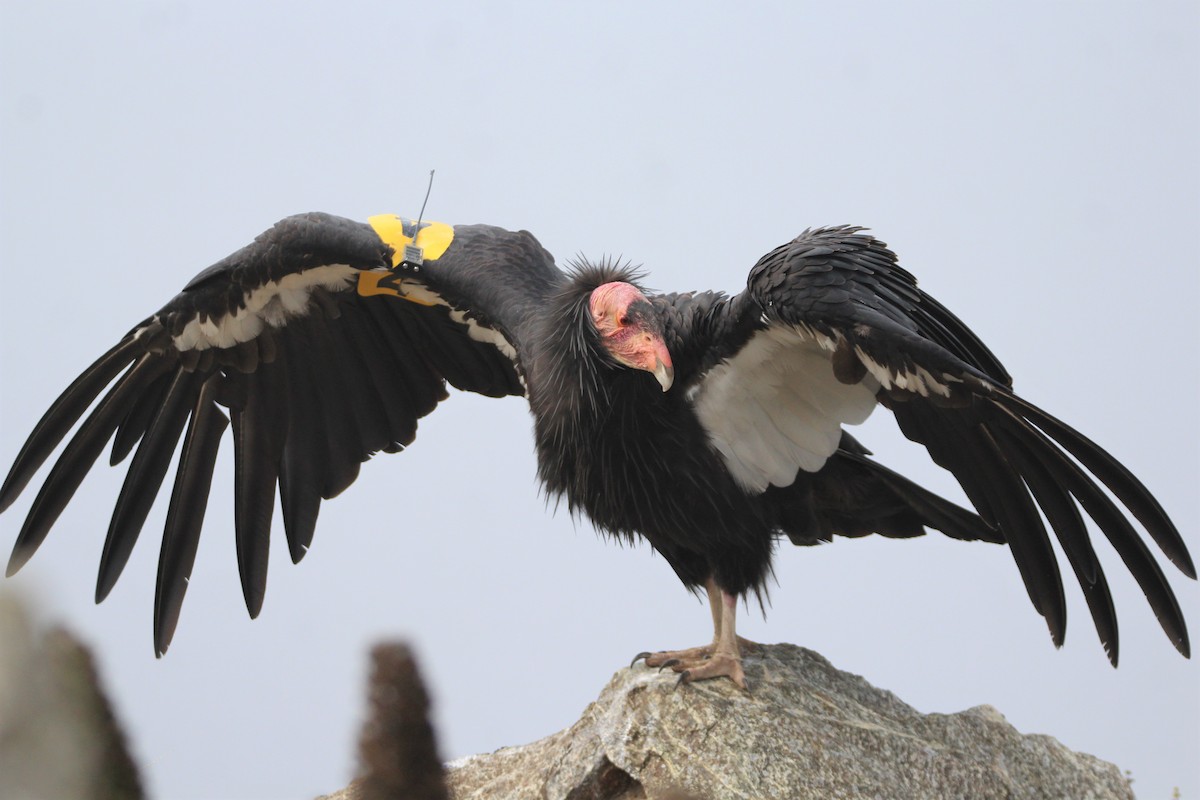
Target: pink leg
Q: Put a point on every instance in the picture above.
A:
(723, 657)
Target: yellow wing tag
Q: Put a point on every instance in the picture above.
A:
(431, 242)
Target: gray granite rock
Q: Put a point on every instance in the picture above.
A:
(807, 730)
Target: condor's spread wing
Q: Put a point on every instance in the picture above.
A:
(830, 326)
(325, 345)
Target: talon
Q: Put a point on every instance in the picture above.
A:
(670, 662)
(639, 657)
(684, 677)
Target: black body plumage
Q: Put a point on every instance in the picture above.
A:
(324, 350)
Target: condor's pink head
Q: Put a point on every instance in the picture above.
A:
(630, 330)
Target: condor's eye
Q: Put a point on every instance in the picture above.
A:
(622, 319)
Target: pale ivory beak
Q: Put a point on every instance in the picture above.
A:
(664, 373)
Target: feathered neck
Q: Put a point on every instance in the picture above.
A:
(577, 391)
(572, 365)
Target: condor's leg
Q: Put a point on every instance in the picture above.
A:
(721, 657)
(726, 658)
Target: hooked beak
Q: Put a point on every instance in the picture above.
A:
(664, 374)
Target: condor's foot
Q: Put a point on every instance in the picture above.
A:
(691, 657)
(721, 665)
(671, 658)
(722, 658)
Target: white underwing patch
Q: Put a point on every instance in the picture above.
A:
(826, 342)
(273, 304)
(776, 407)
(917, 379)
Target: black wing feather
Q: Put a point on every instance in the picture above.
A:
(259, 431)
(306, 460)
(951, 520)
(972, 455)
(80, 454)
(1113, 474)
(185, 516)
(396, 410)
(439, 354)
(1029, 542)
(424, 384)
(1117, 529)
(1063, 515)
(139, 418)
(372, 409)
(343, 438)
(144, 479)
(63, 415)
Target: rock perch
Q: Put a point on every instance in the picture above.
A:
(807, 730)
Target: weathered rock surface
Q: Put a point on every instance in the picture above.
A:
(807, 730)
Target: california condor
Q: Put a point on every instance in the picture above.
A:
(710, 426)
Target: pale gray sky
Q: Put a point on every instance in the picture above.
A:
(1035, 164)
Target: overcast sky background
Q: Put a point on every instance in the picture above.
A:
(1035, 164)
